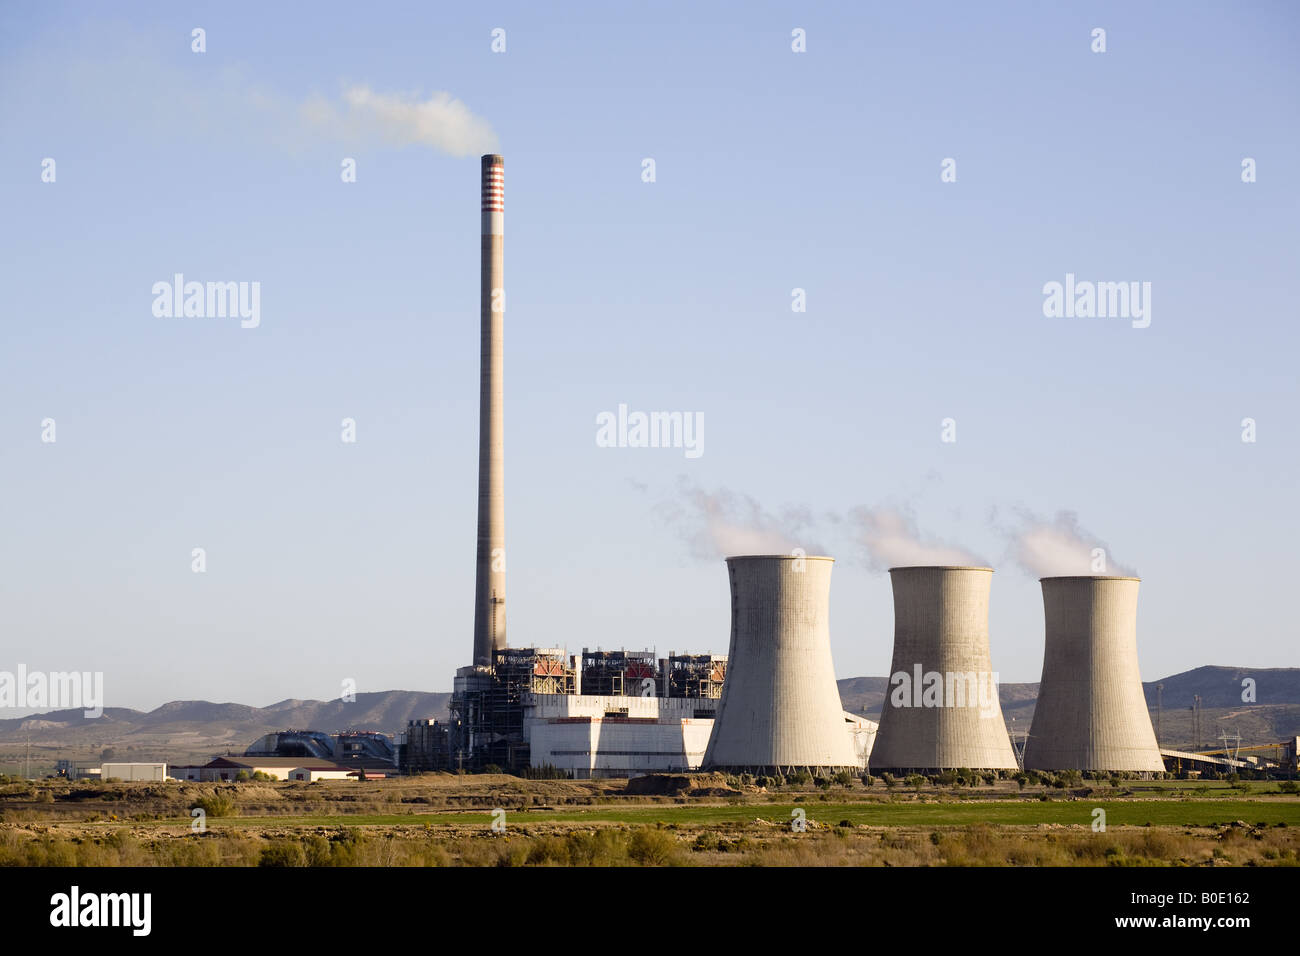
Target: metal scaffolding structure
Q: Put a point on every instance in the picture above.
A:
(618, 673)
(487, 705)
(694, 675)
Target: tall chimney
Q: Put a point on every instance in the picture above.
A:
(490, 565)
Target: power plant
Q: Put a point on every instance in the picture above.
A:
(941, 710)
(780, 708)
(1091, 712)
(771, 706)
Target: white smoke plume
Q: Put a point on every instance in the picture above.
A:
(439, 121)
(132, 91)
(1046, 548)
(722, 524)
(893, 540)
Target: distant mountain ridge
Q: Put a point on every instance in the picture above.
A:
(191, 730)
(182, 730)
(1218, 687)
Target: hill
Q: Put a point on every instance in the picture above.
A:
(184, 731)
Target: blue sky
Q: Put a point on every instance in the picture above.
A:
(775, 170)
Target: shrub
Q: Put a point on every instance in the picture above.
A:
(652, 847)
(283, 853)
(546, 772)
(216, 805)
(705, 842)
(347, 847)
(602, 848)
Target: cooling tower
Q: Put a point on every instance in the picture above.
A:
(941, 709)
(1091, 713)
(780, 708)
(490, 566)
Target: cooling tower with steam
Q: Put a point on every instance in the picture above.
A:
(1091, 712)
(941, 708)
(490, 565)
(780, 707)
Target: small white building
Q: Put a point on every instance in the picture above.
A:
(320, 772)
(229, 767)
(155, 772)
(863, 734)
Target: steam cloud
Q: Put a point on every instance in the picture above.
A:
(892, 540)
(1059, 547)
(401, 119)
(722, 524)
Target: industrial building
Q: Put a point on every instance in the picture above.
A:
(780, 707)
(607, 735)
(496, 711)
(315, 773)
(1091, 713)
(941, 711)
(227, 769)
(357, 749)
(154, 772)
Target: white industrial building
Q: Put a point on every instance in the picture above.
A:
(153, 772)
(316, 772)
(616, 736)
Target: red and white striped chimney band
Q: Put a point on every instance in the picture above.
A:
(494, 184)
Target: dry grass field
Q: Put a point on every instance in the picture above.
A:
(448, 820)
